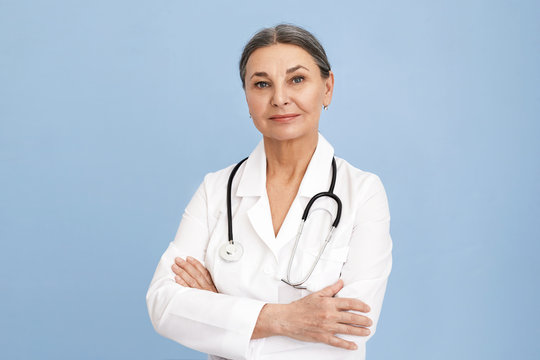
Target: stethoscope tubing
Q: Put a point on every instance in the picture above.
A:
(229, 205)
(329, 193)
(319, 195)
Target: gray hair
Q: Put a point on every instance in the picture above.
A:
(285, 34)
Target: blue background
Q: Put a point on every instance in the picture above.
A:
(113, 111)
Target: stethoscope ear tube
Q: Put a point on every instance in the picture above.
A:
(329, 193)
(334, 171)
(319, 195)
(229, 206)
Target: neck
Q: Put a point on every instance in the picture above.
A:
(288, 160)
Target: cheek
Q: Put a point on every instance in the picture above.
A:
(309, 99)
(256, 103)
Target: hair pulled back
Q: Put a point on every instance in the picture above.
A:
(285, 34)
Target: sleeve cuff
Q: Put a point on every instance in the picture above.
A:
(198, 315)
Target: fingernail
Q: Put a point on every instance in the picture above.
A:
(189, 258)
(180, 260)
(354, 347)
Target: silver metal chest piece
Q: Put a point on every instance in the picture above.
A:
(231, 252)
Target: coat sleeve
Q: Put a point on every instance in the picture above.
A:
(209, 322)
(369, 263)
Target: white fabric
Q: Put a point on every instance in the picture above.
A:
(222, 324)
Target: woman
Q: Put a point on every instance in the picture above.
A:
(234, 304)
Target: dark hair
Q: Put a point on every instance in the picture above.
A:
(285, 34)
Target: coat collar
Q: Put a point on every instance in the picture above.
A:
(316, 179)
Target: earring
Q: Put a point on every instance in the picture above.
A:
(325, 107)
(250, 115)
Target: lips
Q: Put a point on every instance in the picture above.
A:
(284, 117)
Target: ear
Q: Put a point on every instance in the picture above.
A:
(247, 102)
(328, 88)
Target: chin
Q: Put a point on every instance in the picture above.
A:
(286, 132)
(286, 135)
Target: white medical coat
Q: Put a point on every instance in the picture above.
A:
(221, 324)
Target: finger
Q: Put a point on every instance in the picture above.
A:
(190, 281)
(350, 330)
(352, 304)
(339, 342)
(184, 279)
(209, 283)
(180, 281)
(194, 273)
(354, 319)
(201, 268)
(177, 270)
(191, 270)
(331, 290)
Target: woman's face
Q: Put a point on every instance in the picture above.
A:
(285, 92)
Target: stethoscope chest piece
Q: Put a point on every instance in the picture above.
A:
(231, 252)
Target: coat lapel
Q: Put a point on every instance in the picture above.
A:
(253, 184)
(319, 172)
(261, 220)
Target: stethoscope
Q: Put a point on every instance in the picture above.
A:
(233, 251)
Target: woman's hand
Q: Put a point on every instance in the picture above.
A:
(191, 273)
(316, 318)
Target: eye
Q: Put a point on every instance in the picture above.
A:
(261, 84)
(297, 79)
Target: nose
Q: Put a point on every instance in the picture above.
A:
(280, 96)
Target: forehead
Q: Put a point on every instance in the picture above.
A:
(279, 58)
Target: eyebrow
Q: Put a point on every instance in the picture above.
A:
(291, 70)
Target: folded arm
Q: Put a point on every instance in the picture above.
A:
(314, 318)
(203, 320)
